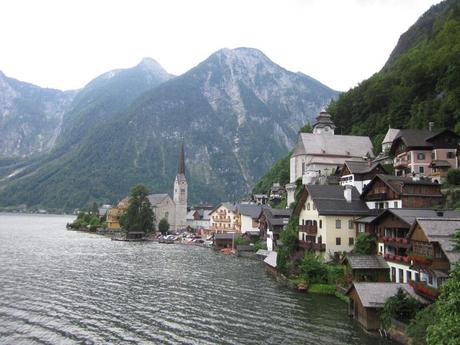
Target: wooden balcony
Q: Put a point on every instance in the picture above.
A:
(396, 241)
(309, 245)
(397, 258)
(400, 164)
(424, 290)
(376, 197)
(309, 229)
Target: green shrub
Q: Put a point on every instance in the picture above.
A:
(312, 269)
(419, 324)
(323, 289)
(401, 307)
(453, 176)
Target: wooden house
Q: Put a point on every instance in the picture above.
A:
(359, 173)
(366, 268)
(386, 191)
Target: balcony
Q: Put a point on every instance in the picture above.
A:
(309, 229)
(400, 164)
(396, 241)
(420, 260)
(308, 245)
(397, 258)
(424, 290)
(376, 196)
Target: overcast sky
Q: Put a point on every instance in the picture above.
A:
(65, 43)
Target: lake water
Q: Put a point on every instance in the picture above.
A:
(65, 287)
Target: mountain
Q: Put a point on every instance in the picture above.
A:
(237, 112)
(419, 83)
(30, 117)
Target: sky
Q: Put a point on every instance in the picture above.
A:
(64, 44)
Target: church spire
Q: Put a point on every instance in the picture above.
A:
(181, 166)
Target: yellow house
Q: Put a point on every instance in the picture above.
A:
(224, 218)
(326, 214)
(113, 214)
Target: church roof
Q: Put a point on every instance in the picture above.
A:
(333, 145)
(155, 199)
(391, 135)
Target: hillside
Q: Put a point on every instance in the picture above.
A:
(237, 112)
(419, 83)
(30, 117)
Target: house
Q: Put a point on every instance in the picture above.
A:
(387, 191)
(276, 192)
(366, 268)
(225, 240)
(433, 253)
(247, 217)
(260, 199)
(326, 214)
(199, 219)
(359, 173)
(384, 156)
(425, 152)
(366, 301)
(319, 154)
(271, 222)
(163, 207)
(392, 231)
(114, 213)
(223, 218)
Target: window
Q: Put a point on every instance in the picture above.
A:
(395, 204)
(400, 276)
(408, 276)
(430, 279)
(361, 227)
(417, 277)
(338, 224)
(308, 206)
(320, 224)
(350, 224)
(376, 205)
(450, 155)
(433, 155)
(421, 156)
(421, 170)
(313, 204)
(351, 241)
(338, 241)
(166, 215)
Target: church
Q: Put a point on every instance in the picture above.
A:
(173, 210)
(319, 154)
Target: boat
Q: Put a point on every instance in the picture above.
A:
(166, 239)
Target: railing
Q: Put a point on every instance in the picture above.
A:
(308, 245)
(420, 259)
(309, 229)
(398, 241)
(400, 163)
(424, 290)
(397, 258)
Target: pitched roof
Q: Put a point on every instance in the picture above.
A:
(409, 215)
(250, 210)
(361, 167)
(337, 145)
(396, 183)
(418, 137)
(441, 229)
(330, 199)
(228, 205)
(271, 259)
(390, 136)
(374, 295)
(156, 198)
(366, 262)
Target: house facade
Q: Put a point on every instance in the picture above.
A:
(319, 154)
(247, 218)
(387, 191)
(425, 153)
(359, 173)
(223, 218)
(199, 219)
(326, 218)
(271, 222)
(163, 207)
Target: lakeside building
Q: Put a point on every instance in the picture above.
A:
(359, 173)
(271, 222)
(433, 252)
(326, 218)
(319, 154)
(426, 153)
(387, 191)
(394, 244)
(223, 218)
(199, 218)
(366, 301)
(164, 208)
(247, 218)
(366, 268)
(114, 213)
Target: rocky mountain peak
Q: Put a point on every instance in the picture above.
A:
(151, 66)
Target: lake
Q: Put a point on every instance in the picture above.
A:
(65, 287)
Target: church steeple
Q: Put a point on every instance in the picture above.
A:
(323, 124)
(181, 166)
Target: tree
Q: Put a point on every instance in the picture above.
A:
(453, 176)
(307, 128)
(94, 209)
(163, 226)
(365, 245)
(446, 329)
(312, 268)
(418, 325)
(401, 307)
(456, 239)
(139, 215)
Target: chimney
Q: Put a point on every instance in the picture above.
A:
(347, 193)
(430, 126)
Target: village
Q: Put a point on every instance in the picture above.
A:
(339, 195)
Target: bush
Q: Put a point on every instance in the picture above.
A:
(260, 245)
(312, 269)
(419, 324)
(453, 176)
(401, 307)
(365, 245)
